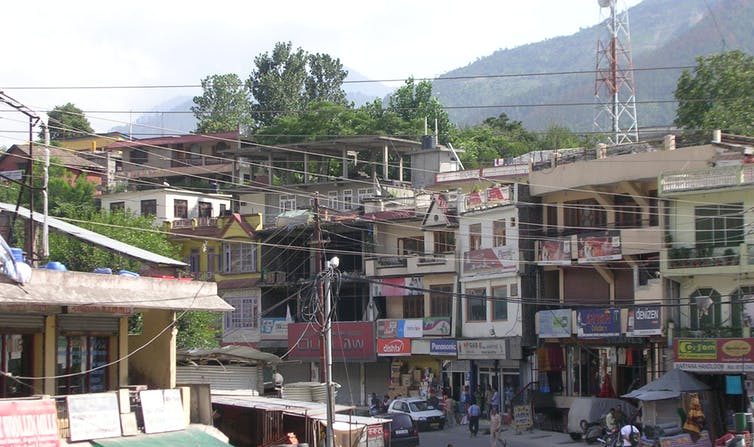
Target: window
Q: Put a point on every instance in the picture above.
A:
(713, 317)
(627, 212)
(551, 210)
(245, 315)
(719, 225)
(498, 233)
(413, 306)
(149, 207)
(139, 156)
(347, 199)
(737, 302)
(364, 193)
(475, 236)
(205, 209)
(584, 215)
(117, 207)
(332, 200)
(440, 300)
(411, 245)
(476, 303)
(239, 258)
(180, 209)
(194, 261)
(445, 241)
(223, 210)
(500, 303)
(16, 357)
(287, 203)
(211, 260)
(78, 353)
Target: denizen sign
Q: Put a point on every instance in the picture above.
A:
(351, 341)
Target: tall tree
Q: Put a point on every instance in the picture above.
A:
(414, 102)
(223, 106)
(496, 137)
(324, 81)
(717, 94)
(67, 121)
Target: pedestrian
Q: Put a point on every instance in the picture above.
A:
(385, 403)
(374, 405)
(488, 401)
(474, 413)
(495, 426)
(496, 399)
(450, 411)
(630, 435)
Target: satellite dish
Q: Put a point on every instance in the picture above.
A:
(604, 3)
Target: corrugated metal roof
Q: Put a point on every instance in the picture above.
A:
(229, 352)
(312, 409)
(175, 139)
(95, 238)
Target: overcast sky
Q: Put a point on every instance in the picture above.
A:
(63, 43)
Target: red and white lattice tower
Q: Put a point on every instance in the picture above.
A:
(614, 88)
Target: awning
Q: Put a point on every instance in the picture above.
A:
(190, 437)
(229, 352)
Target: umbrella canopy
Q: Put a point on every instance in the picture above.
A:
(669, 386)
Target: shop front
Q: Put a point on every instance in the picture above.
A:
(494, 364)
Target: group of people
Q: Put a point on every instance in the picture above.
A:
(617, 425)
(377, 406)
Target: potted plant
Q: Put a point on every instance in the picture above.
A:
(729, 256)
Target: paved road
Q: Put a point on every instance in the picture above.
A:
(458, 436)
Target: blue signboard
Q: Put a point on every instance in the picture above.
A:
(604, 322)
(443, 347)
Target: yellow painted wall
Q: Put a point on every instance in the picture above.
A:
(155, 364)
(85, 144)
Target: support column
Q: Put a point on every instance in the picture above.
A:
(50, 352)
(269, 168)
(306, 169)
(400, 169)
(385, 160)
(344, 173)
(122, 352)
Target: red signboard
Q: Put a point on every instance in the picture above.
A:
(351, 341)
(31, 423)
(387, 347)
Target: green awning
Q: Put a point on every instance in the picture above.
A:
(189, 438)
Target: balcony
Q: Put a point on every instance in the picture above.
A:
(687, 261)
(711, 178)
(411, 264)
(195, 222)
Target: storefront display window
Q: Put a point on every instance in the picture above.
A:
(78, 354)
(16, 359)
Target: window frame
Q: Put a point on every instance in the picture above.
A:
(177, 206)
(146, 207)
(233, 257)
(475, 236)
(444, 242)
(499, 298)
(441, 300)
(474, 298)
(416, 241)
(499, 233)
(725, 229)
(413, 306)
(246, 309)
(118, 207)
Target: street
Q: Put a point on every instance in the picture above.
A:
(458, 436)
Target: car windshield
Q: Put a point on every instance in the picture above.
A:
(420, 406)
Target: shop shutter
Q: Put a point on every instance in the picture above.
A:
(348, 376)
(227, 377)
(22, 321)
(88, 324)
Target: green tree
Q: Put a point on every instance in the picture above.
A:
(223, 106)
(67, 121)
(560, 137)
(717, 94)
(414, 103)
(496, 137)
(324, 80)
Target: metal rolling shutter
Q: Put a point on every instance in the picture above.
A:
(22, 321)
(227, 377)
(348, 376)
(88, 323)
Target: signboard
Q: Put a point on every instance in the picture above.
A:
(715, 355)
(490, 260)
(412, 328)
(114, 310)
(555, 323)
(482, 349)
(599, 247)
(644, 320)
(403, 286)
(29, 423)
(522, 419)
(443, 347)
(598, 322)
(393, 347)
(491, 196)
(554, 251)
(352, 341)
(274, 329)
(387, 328)
(93, 416)
(16, 174)
(162, 410)
(436, 326)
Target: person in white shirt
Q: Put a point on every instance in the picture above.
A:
(626, 433)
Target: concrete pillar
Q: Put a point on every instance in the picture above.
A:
(400, 169)
(154, 365)
(50, 354)
(269, 168)
(38, 363)
(306, 169)
(122, 352)
(385, 160)
(345, 163)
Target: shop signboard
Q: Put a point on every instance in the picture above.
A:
(436, 326)
(403, 286)
(93, 416)
(387, 328)
(554, 323)
(390, 347)
(413, 328)
(443, 347)
(274, 329)
(599, 247)
(353, 341)
(489, 260)
(29, 423)
(522, 419)
(715, 355)
(162, 410)
(601, 322)
(644, 320)
(554, 251)
(482, 349)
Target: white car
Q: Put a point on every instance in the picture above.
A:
(422, 412)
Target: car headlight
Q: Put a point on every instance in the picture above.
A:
(422, 419)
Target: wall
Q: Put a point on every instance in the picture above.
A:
(165, 198)
(510, 327)
(155, 364)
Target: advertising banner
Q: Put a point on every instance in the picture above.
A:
(436, 326)
(443, 347)
(598, 322)
(29, 423)
(387, 328)
(715, 355)
(413, 328)
(554, 251)
(274, 329)
(555, 323)
(644, 320)
(599, 247)
(482, 349)
(388, 347)
(402, 286)
(352, 341)
(489, 260)
(93, 416)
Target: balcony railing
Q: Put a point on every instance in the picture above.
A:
(711, 178)
(695, 257)
(391, 262)
(198, 221)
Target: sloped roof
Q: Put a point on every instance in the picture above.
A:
(668, 386)
(229, 352)
(67, 157)
(174, 139)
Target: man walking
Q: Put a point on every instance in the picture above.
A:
(474, 412)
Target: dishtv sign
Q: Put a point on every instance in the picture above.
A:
(389, 347)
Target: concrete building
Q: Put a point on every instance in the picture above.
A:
(181, 208)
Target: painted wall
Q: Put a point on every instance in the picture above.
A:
(165, 202)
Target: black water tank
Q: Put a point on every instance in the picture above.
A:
(429, 142)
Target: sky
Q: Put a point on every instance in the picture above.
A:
(52, 43)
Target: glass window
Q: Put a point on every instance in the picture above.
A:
(584, 215)
(332, 200)
(117, 207)
(239, 257)
(627, 212)
(347, 199)
(719, 225)
(149, 207)
(440, 300)
(180, 209)
(16, 358)
(287, 203)
(411, 245)
(364, 193)
(498, 233)
(245, 315)
(78, 353)
(223, 209)
(413, 306)
(500, 303)
(475, 236)
(205, 209)
(445, 242)
(712, 317)
(211, 260)
(194, 261)
(139, 156)
(739, 298)
(476, 300)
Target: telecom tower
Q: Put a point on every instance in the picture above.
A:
(614, 88)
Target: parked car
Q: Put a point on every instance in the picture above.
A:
(420, 410)
(404, 431)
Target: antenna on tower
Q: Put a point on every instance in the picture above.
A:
(614, 88)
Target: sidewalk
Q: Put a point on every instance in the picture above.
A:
(459, 436)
